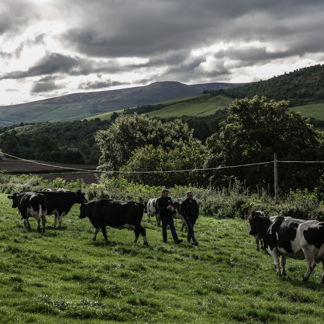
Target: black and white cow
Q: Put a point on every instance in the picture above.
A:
(116, 214)
(152, 209)
(286, 236)
(30, 204)
(59, 203)
(258, 238)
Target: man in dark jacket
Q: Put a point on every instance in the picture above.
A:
(189, 210)
(166, 209)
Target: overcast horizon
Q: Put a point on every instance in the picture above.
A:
(61, 47)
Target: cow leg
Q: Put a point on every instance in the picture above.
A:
(104, 232)
(55, 219)
(310, 258)
(262, 244)
(43, 222)
(141, 230)
(275, 257)
(137, 234)
(26, 223)
(283, 264)
(95, 233)
(158, 219)
(322, 281)
(257, 242)
(60, 219)
(38, 225)
(149, 218)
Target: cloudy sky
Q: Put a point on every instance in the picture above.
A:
(54, 47)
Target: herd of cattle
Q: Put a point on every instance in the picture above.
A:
(279, 236)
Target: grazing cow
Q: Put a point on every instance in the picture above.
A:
(286, 236)
(152, 210)
(30, 204)
(114, 213)
(178, 215)
(59, 203)
(258, 238)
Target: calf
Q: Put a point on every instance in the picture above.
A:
(286, 236)
(31, 204)
(114, 213)
(178, 215)
(59, 203)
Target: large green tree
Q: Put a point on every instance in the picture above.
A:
(130, 132)
(256, 129)
(189, 155)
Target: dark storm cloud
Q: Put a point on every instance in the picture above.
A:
(16, 14)
(147, 28)
(46, 84)
(53, 63)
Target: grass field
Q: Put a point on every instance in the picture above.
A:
(104, 116)
(311, 111)
(62, 276)
(201, 105)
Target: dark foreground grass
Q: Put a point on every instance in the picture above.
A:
(62, 276)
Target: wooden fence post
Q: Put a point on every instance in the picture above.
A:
(275, 175)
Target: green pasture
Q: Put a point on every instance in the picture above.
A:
(104, 116)
(201, 105)
(62, 276)
(311, 111)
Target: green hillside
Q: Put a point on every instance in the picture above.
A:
(202, 105)
(62, 276)
(300, 87)
(315, 111)
(82, 105)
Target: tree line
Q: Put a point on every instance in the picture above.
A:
(253, 131)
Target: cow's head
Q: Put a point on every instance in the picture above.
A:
(83, 211)
(14, 198)
(80, 197)
(258, 222)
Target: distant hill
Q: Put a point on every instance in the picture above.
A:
(82, 105)
(300, 87)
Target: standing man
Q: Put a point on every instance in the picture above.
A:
(190, 211)
(166, 209)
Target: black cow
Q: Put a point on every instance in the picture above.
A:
(114, 213)
(30, 204)
(286, 236)
(59, 203)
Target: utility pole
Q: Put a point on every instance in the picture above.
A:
(275, 175)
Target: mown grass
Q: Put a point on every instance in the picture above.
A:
(62, 276)
(315, 111)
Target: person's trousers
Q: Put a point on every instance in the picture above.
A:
(191, 234)
(168, 220)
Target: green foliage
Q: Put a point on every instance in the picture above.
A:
(66, 142)
(129, 133)
(189, 155)
(256, 129)
(299, 87)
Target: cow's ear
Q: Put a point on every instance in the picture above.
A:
(254, 213)
(10, 197)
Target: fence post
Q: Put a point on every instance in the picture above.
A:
(275, 175)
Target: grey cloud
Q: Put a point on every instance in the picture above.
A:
(53, 63)
(147, 28)
(46, 84)
(101, 84)
(16, 14)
